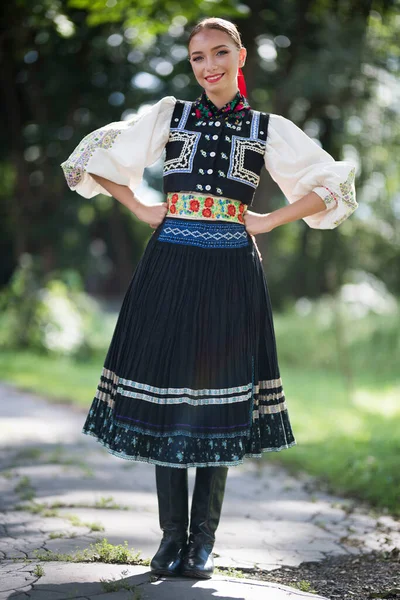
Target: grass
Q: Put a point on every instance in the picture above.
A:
(24, 489)
(38, 571)
(34, 454)
(58, 457)
(30, 453)
(100, 551)
(46, 510)
(304, 586)
(57, 535)
(230, 572)
(350, 442)
(8, 474)
(114, 585)
(60, 378)
(34, 508)
(342, 384)
(77, 522)
(104, 503)
(109, 503)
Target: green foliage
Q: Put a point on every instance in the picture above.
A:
(62, 378)
(114, 585)
(154, 18)
(38, 571)
(24, 489)
(50, 313)
(101, 551)
(343, 402)
(109, 503)
(330, 337)
(34, 508)
(77, 522)
(230, 572)
(20, 310)
(331, 67)
(304, 586)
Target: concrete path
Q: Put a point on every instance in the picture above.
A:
(61, 492)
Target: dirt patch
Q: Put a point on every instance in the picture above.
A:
(374, 575)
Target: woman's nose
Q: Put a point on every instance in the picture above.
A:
(210, 67)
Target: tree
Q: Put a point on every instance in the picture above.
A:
(69, 67)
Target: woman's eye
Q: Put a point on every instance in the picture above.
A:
(220, 52)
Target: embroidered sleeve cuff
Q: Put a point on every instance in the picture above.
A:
(328, 196)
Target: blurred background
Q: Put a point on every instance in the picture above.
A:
(333, 67)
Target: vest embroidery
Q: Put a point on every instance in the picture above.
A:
(212, 156)
(184, 162)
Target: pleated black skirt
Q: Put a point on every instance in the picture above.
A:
(191, 377)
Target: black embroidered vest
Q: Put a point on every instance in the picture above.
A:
(211, 156)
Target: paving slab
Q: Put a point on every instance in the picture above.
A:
(88, 581)
(60, 492)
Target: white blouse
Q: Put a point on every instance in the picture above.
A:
(121, 151)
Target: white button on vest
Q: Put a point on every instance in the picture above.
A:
(217, 123)
(212, 154)
(208, 187)
(215, 137)
(209, 171)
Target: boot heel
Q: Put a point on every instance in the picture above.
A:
(168, 559)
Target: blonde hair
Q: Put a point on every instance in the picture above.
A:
(221, 25)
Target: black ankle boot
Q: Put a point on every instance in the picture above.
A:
(207, 501)
(172, 494)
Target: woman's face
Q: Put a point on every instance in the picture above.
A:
(215, 60)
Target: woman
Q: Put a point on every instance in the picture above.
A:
(191, 377)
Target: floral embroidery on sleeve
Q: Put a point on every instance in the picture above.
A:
(74, 167)
(347, 192)
(347, 189)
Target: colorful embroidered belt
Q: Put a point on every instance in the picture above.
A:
(197, 206)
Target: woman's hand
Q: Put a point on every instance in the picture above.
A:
(256, 223)
(153, 214)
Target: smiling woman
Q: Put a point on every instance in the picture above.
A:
(191, 377)
(216, 54)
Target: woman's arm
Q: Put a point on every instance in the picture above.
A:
(310, 204)
(153, 215)
(320, 188)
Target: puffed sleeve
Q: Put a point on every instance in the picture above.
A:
(120, 151)
(299, 166)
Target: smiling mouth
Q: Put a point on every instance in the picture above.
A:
(214, 78)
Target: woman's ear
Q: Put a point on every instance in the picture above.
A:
(242, 56)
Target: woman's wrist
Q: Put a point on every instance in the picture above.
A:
(134, 204)
(306, 206)
(269, 222)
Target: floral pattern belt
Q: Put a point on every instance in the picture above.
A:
(196, 206)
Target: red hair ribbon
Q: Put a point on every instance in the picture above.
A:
(241, 83)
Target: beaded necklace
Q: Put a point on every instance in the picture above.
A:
(233, 111)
